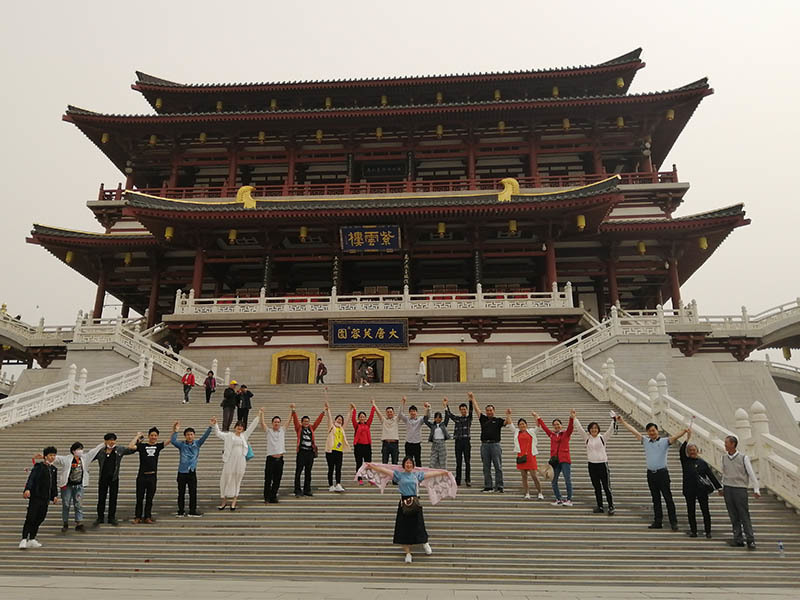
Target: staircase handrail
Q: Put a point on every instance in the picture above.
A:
(73, 390)
(777, 462)
(777, 366)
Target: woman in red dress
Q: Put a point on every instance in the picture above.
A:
(525, 446)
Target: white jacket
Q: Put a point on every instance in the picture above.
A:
(532, 431)
(234, 443)
(595, 446)
(64, 464)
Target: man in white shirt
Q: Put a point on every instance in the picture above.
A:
(276, 448)
(422, 376)
(737, 476)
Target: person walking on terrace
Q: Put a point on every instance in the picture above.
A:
(322, 370)
(526, 451)
(409, 523)
(560, 459)
(362, 436)
(422, 376)
(189, 449)
(188, 383)
(234, 459)
(655, 452)
(210, 385)
(306, 451)
(597, 460)
(41, 489)
(698, 482)
(461, 434)
(737, 476)
(491, 452)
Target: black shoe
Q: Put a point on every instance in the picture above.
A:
(180, 513)
(655, 526)
(273, 501)
(100, 521)
(487, 489)
(597, 509)
(611, 510)
(307, 494)
(692, 534)
(113, 522)
(673, 526)
(65, 527)
(735, 544)
(468, 484)
(708, 535)
(79, 527)
(751, 545)
(196, 513)
(298, 494)
(499, 490)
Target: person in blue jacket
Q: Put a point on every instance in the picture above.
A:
(189, 450)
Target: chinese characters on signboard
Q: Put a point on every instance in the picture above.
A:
(383, 333)
(370, 238)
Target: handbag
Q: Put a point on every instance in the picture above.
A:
(521, 460)
(410, 506)
(554, 462)
(250, 454)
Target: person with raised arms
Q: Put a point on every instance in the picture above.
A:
(362, 436)
(390, 436)
(234, 459)
(491, 452)
(526, 451)
(189, 449)
(276, 448)
(597, 461)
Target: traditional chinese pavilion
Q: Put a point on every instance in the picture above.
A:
(262, 214)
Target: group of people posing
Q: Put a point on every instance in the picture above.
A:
(70, 474)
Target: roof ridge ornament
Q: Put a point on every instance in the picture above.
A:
(244, 195)
(510, 186)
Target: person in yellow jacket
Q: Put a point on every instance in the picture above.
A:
(335, 445)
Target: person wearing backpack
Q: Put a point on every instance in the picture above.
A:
(559, 455)
(322, 370)
(597, 460)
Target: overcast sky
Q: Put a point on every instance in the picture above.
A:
(740, 146)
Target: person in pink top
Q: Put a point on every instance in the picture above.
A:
(362, 436)
(559, 455)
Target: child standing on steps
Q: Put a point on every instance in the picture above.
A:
(438, 438)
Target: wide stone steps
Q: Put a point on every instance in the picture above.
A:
(348, 536)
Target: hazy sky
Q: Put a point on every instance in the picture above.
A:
(740, 146)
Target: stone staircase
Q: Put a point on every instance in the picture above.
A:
(476, 537)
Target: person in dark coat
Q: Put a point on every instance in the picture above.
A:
(698, 482)
(243, 404)
(230, 400)
(40, 490)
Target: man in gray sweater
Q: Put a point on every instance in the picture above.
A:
(737, 476)
(413, 432)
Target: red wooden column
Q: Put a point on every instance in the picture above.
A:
(155, 286)
(233, 160)
(550, 264)
(126, 310)
(611, 271)
(674, 282)
(470, 159)
(173, 174)
(533, 162)
(197, 275)
(290, 167)
(100, 296)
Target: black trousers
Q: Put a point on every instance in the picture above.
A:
(241, 414)
(415, 452)
(390, 450)
(305, 461)
(37, 511)
(363, 453)
(320, 378)
(209, 391)
(463, 451)
(273, 471)
(145, 491)
(658, 482)
(187, 480)
(334, 464)
(598, 473)
(227, 417)
(692, 499)
(186, 390)
(107, 487)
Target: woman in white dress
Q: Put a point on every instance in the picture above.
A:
(233, 459)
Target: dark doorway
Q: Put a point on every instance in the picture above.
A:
(442, 370)
(370, 368)
(292, 370)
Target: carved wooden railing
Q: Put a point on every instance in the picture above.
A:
(73, 390)
(776, 462)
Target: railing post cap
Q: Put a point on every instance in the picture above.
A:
(661, 378)
(741, 414)
(757, 408)
(651, 383)
(610, 361)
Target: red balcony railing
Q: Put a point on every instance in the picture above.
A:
(393, 187)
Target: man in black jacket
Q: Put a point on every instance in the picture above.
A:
(230, 399)
(698, 482)
(109, 459)
(244, 404)
(40, 490)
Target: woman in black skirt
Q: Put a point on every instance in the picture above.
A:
(409, 528)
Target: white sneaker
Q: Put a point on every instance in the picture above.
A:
(556, 503)
(34, 544)
(527, 497)
(540, 496)
(338, 488)
(567, 503)
(366, 384)
(360, 386)
(428, 549)
(23, 544)
(332, 488)
(408, 557)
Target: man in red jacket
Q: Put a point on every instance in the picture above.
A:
(306, 451)
(559, 455)
(188, 383)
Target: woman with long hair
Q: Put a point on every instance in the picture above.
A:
(409, 524)
(234, 461)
